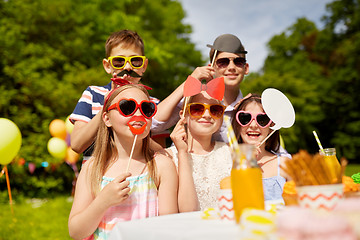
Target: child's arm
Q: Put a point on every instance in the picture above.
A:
(87, 211)
(168, 185)
(187, 196)
(83, 134)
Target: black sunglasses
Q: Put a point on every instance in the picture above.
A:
(224, 62)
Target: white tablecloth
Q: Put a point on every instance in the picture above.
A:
(176, 226)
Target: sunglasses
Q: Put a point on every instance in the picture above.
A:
(224, 62)
(197, 110)
(128, 107)
(119, 62)
(245, 118)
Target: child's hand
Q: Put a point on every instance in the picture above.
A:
(205, 72)
(116, 191)
(179, 136)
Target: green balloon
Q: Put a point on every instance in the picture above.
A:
(10, 141)
(57, 147)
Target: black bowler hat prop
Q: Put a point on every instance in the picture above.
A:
(228, 43)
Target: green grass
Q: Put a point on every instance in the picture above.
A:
(36, 219)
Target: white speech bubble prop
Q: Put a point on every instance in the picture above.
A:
(278, 107)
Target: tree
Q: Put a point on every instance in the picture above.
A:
(52, 50)
(319, 70)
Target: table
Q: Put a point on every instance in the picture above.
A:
(176, 226)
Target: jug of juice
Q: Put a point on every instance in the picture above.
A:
(333, 163)
(246, 181)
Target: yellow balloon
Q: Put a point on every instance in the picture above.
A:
(57, 128)
(57, 147)
(69, 126)
(71, 155)
(10, 141)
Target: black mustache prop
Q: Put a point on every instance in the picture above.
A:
(130, 73)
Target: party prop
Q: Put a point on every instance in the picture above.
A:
(278, 108)
(136, 132)
(10, 141)
(57, 128)
(215, 88)
(57, 147)
(121, 82)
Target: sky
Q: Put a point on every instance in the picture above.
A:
(254, 22)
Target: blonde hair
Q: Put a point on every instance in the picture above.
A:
(105, 151)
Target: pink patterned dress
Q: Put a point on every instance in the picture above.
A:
(142, 203)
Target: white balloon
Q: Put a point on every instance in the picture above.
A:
(278, 107)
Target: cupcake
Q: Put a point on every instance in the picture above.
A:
(289, 193)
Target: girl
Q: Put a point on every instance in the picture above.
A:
(252, 125)
(105, 193)
(202, 162)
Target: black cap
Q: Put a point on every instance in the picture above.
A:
(228, 43)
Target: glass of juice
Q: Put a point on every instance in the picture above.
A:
(246, 181)
(333, 163)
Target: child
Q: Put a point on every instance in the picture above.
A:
(125, 56)
(105, 193)
(227, 59)
(252, 125)
(202, 162)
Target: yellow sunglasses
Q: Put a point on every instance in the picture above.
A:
(119, 62)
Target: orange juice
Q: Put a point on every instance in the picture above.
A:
(334, 166)
(332, 162)
(247, 190)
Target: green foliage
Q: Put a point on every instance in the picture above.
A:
(52, 50)
(319, 70)
(40, 219)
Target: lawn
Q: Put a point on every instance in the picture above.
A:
(36, 219)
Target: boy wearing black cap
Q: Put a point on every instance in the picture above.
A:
(228, 60)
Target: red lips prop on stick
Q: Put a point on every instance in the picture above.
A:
(136, 132)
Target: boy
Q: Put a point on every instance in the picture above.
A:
(126, 62)
(228, 60)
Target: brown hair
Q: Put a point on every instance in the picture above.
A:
(273, 142)
(126, 38)
(105, 152)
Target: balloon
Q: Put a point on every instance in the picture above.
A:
(69, 126)
(278, 107)
(10, 141)
(57, 147)
(71, 156)
(57, 128)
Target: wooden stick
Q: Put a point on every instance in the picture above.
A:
(212, 62)
(131, 153)
(267, 137)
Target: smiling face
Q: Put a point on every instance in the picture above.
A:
(253, 133)
(205, 125)
(232, 74)
(127, 126)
